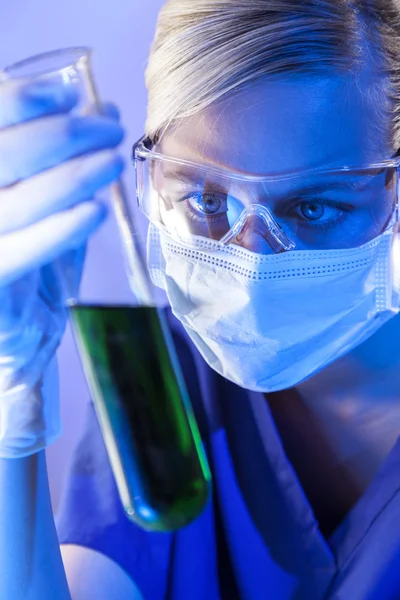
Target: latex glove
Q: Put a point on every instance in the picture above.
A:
(51, 164)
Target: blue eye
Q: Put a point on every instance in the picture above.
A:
(318, 211)
(312, 211)
(208, 204)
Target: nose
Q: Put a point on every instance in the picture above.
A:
(256, 237)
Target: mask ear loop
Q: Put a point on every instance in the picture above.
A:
(283, 242)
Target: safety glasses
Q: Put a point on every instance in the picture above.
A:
(316, 209)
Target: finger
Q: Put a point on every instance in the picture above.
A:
(30, 148)
(28, 249)
(22, 101)
(57, 189)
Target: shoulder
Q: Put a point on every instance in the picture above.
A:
(92, 575)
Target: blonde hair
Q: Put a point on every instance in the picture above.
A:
(204, 49)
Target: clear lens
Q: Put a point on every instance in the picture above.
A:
(315, 210)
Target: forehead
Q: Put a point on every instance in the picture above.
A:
(276, 126)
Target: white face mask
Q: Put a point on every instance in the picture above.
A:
(267, 322)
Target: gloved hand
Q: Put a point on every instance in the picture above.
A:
(51, 164)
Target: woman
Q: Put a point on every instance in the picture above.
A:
(270, 152)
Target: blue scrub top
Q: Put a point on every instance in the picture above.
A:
(257, 539)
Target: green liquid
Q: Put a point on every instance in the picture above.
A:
(144, 413)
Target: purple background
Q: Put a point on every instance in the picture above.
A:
(120, 34)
